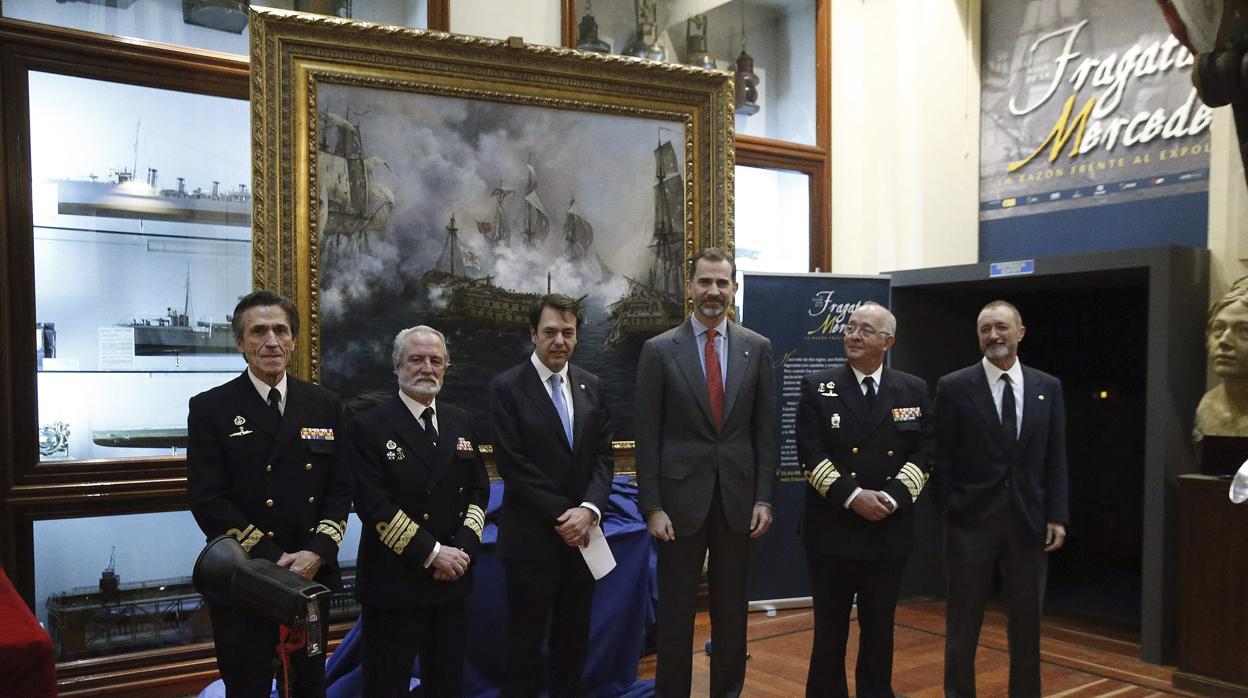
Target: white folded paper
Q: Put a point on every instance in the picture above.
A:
(597, 554)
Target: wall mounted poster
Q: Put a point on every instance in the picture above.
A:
(1086, 103)
(804, 316)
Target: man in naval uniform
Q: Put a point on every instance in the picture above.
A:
(420, 490)
(865, 441)
(261, 467)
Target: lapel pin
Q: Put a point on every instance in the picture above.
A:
(391, 444)
(836, 420)
(582, 386)
(239, 421)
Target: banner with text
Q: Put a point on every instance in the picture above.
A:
(804, 316)
(1084, 103)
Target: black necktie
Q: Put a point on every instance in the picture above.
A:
(427, 418)
(275, 402)
(1009, 418)
(870, 394)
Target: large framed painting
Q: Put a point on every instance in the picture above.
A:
(405, 177)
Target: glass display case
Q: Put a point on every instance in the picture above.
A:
(770, 43)
(215, 25)
(102, 590)
(142, 246)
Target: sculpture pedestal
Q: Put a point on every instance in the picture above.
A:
(1213, 598)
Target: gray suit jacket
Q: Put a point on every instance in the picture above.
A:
(679, 451)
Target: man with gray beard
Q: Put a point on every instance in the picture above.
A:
(421, 490)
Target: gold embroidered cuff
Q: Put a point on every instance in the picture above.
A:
(913, 478)
(334, 529)
(822, 476)
(475, 520)
(398, 532)
(247, 538)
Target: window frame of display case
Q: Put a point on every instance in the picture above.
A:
(32, 490)
(813, 161)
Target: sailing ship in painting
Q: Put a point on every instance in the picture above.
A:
(457, 279)
(355, 207)
(652, 304)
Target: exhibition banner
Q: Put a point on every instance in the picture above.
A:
(1086, 103)
(804, 316)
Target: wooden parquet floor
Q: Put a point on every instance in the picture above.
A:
(1075, 662)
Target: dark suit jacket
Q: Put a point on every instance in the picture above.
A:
(276, 487)
(679, 450)
(410, 495)
(973, 455)
(844, 445)
(543, 476)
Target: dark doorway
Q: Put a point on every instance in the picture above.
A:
(1091, 331)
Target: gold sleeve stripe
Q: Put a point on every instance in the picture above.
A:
(475, 520)
(390, 532)
(823, 470)
(822, 477)
(408, 532)
(339, 527)
(248, 537)
(398, 532)
(330, 529)
(913, 478)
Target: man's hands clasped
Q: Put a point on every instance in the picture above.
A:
(450, 564)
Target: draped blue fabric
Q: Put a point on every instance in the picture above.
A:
(623, 605)
(623, 608)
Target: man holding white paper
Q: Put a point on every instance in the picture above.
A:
(552, 444)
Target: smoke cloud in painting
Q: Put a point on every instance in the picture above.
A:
(432, 158)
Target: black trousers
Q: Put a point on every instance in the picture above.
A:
(394, 637)
(973, 555)
(246, 648)
(680, 573)
(542, 595)
(834, 582)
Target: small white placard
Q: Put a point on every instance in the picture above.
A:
(116, 348)
(597, 554)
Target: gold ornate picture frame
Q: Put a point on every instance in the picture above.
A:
(406, 177)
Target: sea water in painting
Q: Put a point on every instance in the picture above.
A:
(459, 213)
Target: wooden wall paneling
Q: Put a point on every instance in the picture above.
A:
(570, 23)
(439, 13)
(810, 161)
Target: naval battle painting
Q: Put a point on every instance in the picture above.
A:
(459, 214)
(404, 177)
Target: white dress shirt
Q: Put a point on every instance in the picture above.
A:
(417, 409)
(862, 385)
(565, 387)
(997, 386)
(721, 345)
(264, 388)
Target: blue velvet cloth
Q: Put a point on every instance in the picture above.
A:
(623, 608)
